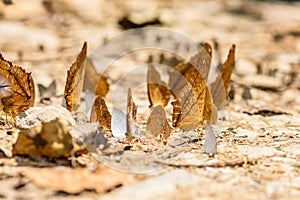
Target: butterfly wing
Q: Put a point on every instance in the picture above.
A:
(188, 84)
(219, 88)
(157, 123)
(210, 143)
(100, 113)
(118, 124)
(131, 115)
(158, 93)
(5, 87)
(23, 92)
(74, 83)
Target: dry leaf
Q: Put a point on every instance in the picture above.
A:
(23, 92)
(51, 139)
(158, 93)
(193, 102)
(157, 123)
(101, 114)
(219, 88)
(74, 83)
(74, 180)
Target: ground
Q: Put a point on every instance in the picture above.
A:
(259, 145)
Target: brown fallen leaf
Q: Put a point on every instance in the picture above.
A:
(76, 180)
(157, 123)
(22, 86)
(101, 114)
(158, 93)
(193, 102)
(74, 83)
(51, 139)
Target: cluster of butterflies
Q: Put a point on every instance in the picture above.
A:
(195, 103)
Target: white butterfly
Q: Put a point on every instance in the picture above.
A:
(210, 143)
(118, 124)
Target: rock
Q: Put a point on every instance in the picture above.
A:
(51, 139)
(36, 115)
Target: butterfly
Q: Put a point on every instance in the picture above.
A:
(100, 113)
(123, 125)
(5, 87)
(157, 123)
(219, 88)
(196, 102)
(210, 143)
(158, 93)
(118, 124)
(46, 93)
(74, 82)
(193, 102)
(18, 88)
(93, 81)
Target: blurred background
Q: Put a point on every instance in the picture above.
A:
(44, 36)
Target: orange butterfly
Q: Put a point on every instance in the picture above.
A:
(157, 123)
(158, 93)
(93, 81)
(22, 88)
(219, 88)
(193, 102)
(100, 113)
(74, 83)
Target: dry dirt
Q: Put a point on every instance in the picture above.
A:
(259, 145)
